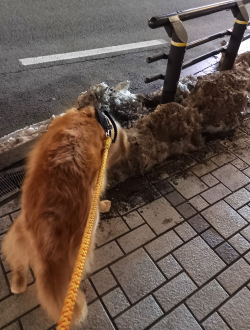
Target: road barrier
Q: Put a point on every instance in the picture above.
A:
(175, 30)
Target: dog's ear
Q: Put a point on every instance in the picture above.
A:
(89, 111)
(120, 148)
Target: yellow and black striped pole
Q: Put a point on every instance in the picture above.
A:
(175, 60)
(239, 29)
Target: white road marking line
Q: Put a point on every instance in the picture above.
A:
(91, 52)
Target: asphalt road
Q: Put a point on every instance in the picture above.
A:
(31, 28)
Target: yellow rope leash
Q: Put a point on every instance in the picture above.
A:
(69, 302)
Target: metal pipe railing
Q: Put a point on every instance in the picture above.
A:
(175, 29)
(190, 45)
(162, 20)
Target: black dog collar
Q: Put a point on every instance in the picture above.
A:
(107, 123)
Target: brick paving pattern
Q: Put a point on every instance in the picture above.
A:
(172, 253)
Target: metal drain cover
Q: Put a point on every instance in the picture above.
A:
(11, 181)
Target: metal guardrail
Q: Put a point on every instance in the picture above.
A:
(175, 29)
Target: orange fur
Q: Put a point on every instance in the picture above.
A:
(56, 198)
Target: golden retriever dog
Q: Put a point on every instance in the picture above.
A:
(57, 192)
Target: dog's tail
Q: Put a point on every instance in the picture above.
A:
(52, 285)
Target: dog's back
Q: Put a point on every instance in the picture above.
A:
(56, 198)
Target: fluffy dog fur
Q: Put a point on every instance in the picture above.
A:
(56, 198)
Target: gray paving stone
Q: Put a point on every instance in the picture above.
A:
(239, 137)
(13, 326)
(178, 319)
(205, 153)
(160, 215)
(247, 257)
(204, 168)
(224, 219)
(239, 243)
(175, 198)
(243, 152)
(103, 281)
(212, 237)
(245, 212)
(199, 260)
(227, 253)
(136, 238)
(6, 265)
(246, 233)
(5, 224)
(248, 187)
(198, 223)
(226, 143)
(129, 203)
(235, 276)
(115, 301)
(186, 210)
(163, 245)
(206, 299)
(215, 322)
(105, 255)
(15, 215)
(110, 229)
(198, 202)
(213, 194)
(36, 320)
(231, 177)
(97, 319)
(223, 158)
(169, 266)
(4, 288)
(209, 180)
(164, 187)
(239, 164)
(188, 186)
(112, 213)
(87, 288)
(247, 171)
(16, 305)
(236, 310)
(139, 316)
(159, 174)
(137, 275)
(10, 207)
(185, 231)
(183, 163)
(133, 219)
(239, 198)
(175, 291)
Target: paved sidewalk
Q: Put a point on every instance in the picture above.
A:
(173, 253)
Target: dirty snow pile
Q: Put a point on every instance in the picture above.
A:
(23, 135)
(218, 102)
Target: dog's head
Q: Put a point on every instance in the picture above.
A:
(120, 148)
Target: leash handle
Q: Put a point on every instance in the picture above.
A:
(69, 302)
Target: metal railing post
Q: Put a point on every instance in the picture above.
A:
(236, 37)
(175, 58)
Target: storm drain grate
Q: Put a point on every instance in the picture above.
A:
(10, 182)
